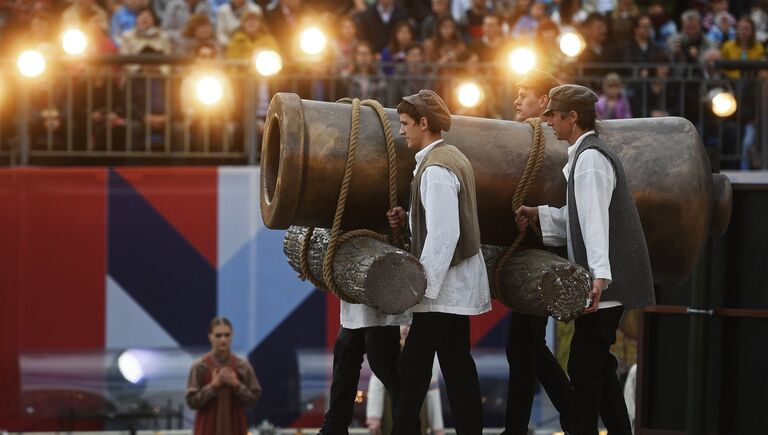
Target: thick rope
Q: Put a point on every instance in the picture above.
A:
(526, 180)
(337, 238)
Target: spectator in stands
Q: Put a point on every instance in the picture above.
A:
(521, 9)
(344, 44)
(714, 7)
(527, 24)
(445, 44)
(284, 20)
(473, 17)
(82, 10)
(175, 17)
(418, 10)
(640, 49)
(569, 14)
(759, 15)
(41, 32)
(124, 19)
(612, 103)
(549, 55)
(490, 48)
(146, 92)
(724, 28)
(429, 23)
(660, 98)
(687, 46)
(376, 24)
(602, 7)
(365, 80)
(198, 32)
(415, 74)
(228, 18)
(621, 21)
(402, 38)
(221, 385)
(146, 33)
(663, 27)
(595, 30)
(251, 37)
(744, 47)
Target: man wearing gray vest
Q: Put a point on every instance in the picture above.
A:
(602, 230)
(446, 240)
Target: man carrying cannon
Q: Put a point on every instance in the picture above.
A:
(446, 240)
(601, 228)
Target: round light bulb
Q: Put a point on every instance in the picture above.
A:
(31, 63)
(571, 44)
(268, 62)
(469, 94)
(522, 60)
(130, 367)
(313, 41)
(724, 104)
(74, 42)
(209, 90)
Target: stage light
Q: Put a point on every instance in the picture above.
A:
(209, 90)
(74, 42)
(522, 60)
(571, 44)
(31, 63)
(723, 102)
(313, 41)
(268, 62)
(130, 367)
(470, 94)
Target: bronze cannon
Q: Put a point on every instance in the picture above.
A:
(305, 147)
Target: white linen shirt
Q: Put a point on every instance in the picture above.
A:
(595, 180)
(460, 289)
(356, 316)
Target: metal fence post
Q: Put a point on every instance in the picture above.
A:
(23, 124)
(250, 133)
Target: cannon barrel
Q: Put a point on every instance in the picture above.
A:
(305, 146)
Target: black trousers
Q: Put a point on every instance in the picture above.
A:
(592, 369)
(382, 344)
(529, 358)
(448, 336)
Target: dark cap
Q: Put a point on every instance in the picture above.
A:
(538, 80)
(565, 98)
(432, 107)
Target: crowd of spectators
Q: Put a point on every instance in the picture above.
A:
(388, 48)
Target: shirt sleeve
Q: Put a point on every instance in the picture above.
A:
(374, 408)
(248, 391)
(553, 223)
(198, 395)
(595, 181)
(440, 198)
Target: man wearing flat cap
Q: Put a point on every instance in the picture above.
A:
(445, 237)
(528, 356)
(601, 228)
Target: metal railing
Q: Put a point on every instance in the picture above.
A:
(117, 111)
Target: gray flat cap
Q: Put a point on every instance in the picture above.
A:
(565, 98)
(432, 107)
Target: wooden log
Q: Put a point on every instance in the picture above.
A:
(540, 283)
(366, 270)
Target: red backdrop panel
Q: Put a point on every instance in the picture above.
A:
(53, 260)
